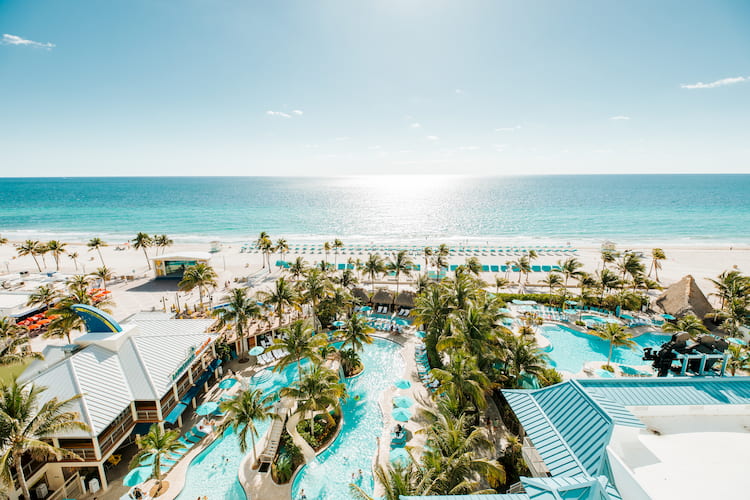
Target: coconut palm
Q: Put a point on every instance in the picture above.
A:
(427, 253)
(317, 390)
(326, 250)
(104, 274)
(281, 296)
(400, 263)
(238, 310)
(300, 342)
(398, 481)
(337, 243)
(141, 242)
(265, 245)
(244, 412)
(14, 349)
(356, 332)
(630, 264)
(42, 249)
(198, 276)
(616, 335)
(586, 281)
(78, 282)
(350, 361)
(474, 266)
(74, 257)
(9, 328)
(523, 265)
(155, 446)
(97, 244)
(607, 281)
(282, 247)
(45, 295)
(608, 257)
(373, 267)
(524, 357)
(552, 280)
(298, 268)
(339, 300)
(472, 330)
(28, 424)
(739, 359)
(162, 241)
(731, 285)
(57, 249)
(347, 279)
(657, 255)
(316, 286)
(500, 282)
(570, 268)
(29, 247)
(462, 379)
(688, 323)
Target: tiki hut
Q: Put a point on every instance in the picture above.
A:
(684, 297)
(361, 295)
(382, 297)
(406, 299)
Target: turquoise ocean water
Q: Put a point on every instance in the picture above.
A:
(679, 209)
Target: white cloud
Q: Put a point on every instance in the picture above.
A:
(508, 129)
(432, 138)
(297, 112)
(278, 113)
(415, 125)
(717, 83)
(619, 117)
(17, 40)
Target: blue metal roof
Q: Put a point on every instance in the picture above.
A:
(670, 390)
(506, 496)
(568, 488)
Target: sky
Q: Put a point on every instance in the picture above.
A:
(341, 87)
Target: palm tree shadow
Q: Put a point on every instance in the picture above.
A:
(161, 285)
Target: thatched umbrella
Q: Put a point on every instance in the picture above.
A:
(383, 296)
(361, 295)
(684, 297)
(406, 299)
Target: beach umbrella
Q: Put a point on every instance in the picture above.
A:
(401, 322)
(668, 316)
(735, 341)
(44, 321)
(403, 401)
(227, 383)
(402, 384)
(366, 309)
(399, 456)
(256, 351)
(401, 414)
(338, 324)
(207, 408)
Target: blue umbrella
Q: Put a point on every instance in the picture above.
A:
(403, 401)
(207, 408)
(366, 309)
(257, 350)
(401, 322)
(668, 316)
(227, 383)
(401, 414)
(399, 456)
(402, 384)
(338, 324)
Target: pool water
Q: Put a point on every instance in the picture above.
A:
(571, 349)
(214, 472)
(329, 475)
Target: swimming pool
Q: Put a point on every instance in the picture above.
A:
(214, 472)
(329, 475)
(571, 349)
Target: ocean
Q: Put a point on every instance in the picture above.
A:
(627, 209)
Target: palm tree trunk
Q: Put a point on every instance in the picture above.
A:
(255, 453)
(609, 358)
(57, 262)
(98, 250)
(148, 262)
(36, 262)
(21, 479)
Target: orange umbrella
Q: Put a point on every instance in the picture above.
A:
(35, 326)
(43, 321)
(53, 316)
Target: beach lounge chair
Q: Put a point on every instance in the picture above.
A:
(495, 269)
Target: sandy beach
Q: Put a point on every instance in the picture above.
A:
(144, 293)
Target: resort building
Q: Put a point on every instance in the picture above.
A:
(173, 265)
(130, 376)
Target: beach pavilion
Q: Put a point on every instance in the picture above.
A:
(145, 371)
(173, 265)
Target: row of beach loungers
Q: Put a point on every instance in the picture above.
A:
(423, 368)
(271, 356)
(416, 250)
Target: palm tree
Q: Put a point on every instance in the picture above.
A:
(616, 335)
(282, 247)
(400, 263)
(14, 349)
(298, 268)
(631, 264)
(162, 241)
(74, 257)
(427, 252)
(142, 241)
(42, 249)
(326, 251)
(523, 265)
(9, 328)
(731, 285)
(201, 276)
(316, 287)
(350, 361)
(300, 343)
(552, 280)
(463, 380)
(78, 282)
(739, 360)
(239, 309)
(155, 446)
(317, 390)
(657, 255)
(398, 481)
(524, 357)
(104, 274)
(337, 243)
(607, 281)
(57, 249)
(688, 323)
(280, 297)
(265, 245)
(339, 300)
(244, 412)
(608, 257)
(570, 268)
(28, 425)
(374, 267)
(357, 332)
(3, 241)
(474, 265)
(97, 244)
(500, 282)
(43, 294)
(347, 279)
(29, 247)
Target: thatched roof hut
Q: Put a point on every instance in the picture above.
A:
(406, 299)
(684, 297)
(382, 296)
(361, 295)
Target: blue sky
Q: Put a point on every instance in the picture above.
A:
(199, 87)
